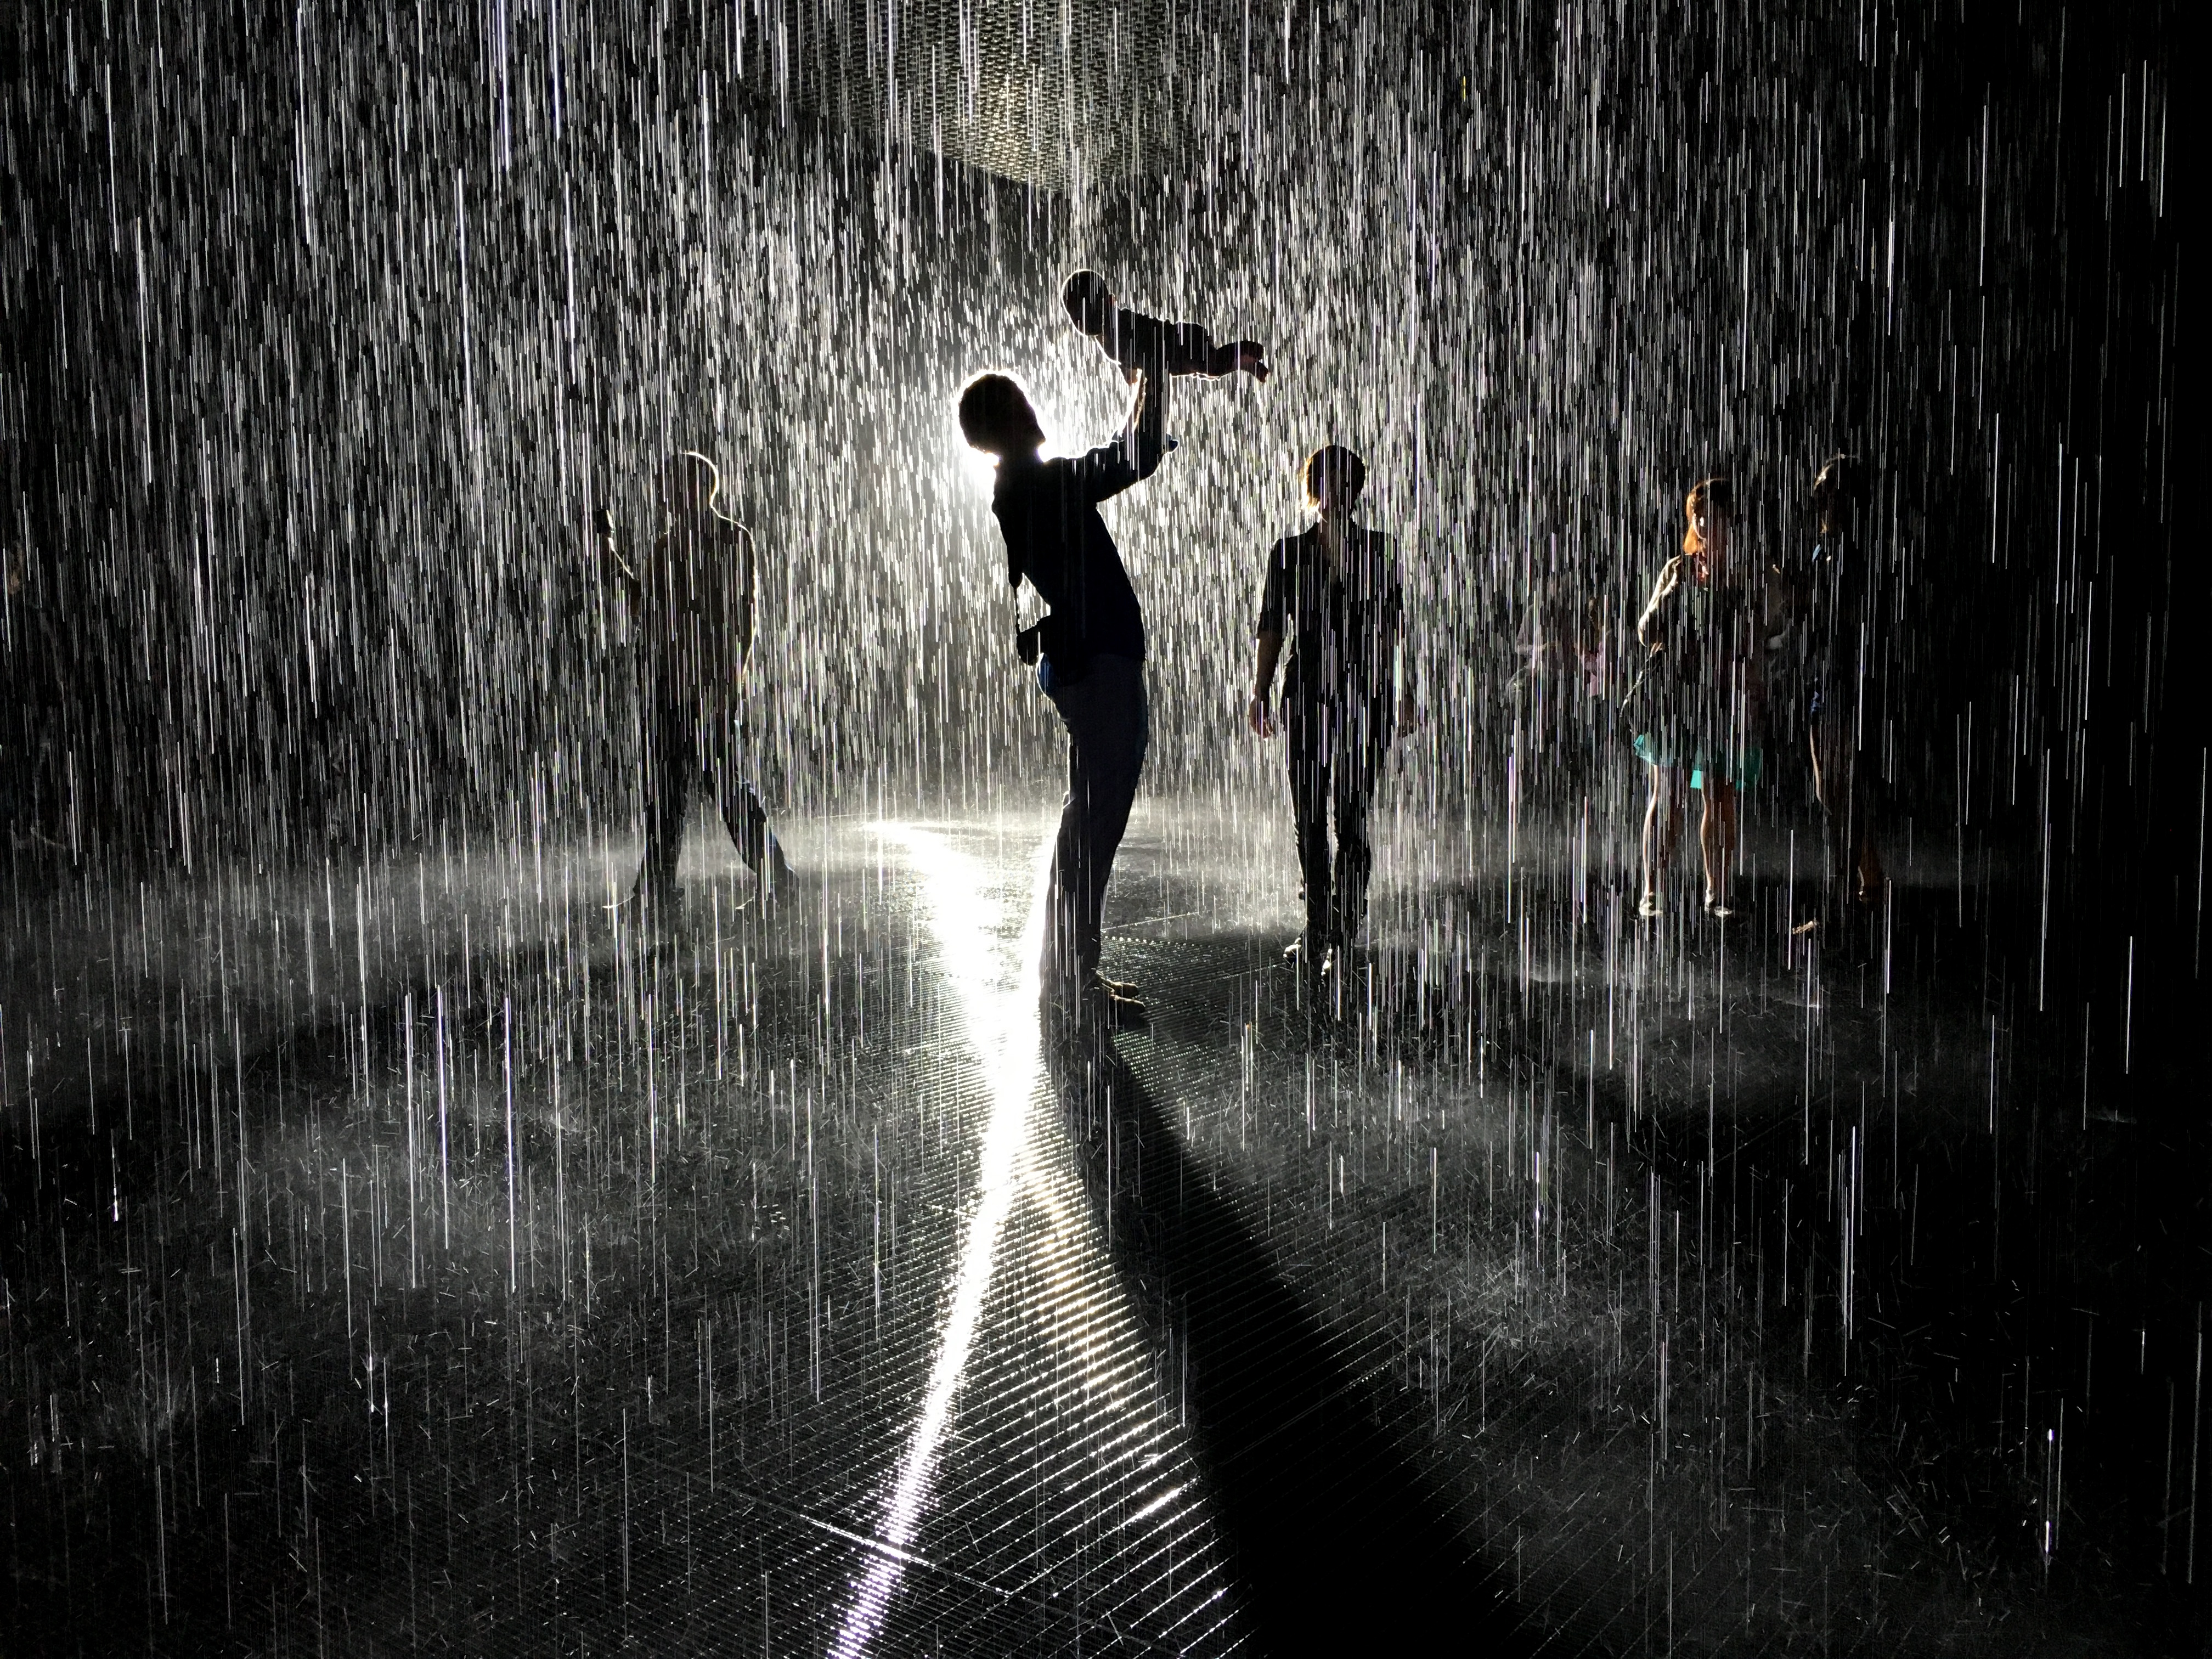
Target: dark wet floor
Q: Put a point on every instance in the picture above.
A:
(403, 1257)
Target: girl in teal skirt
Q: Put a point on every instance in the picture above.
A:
(1699, 699)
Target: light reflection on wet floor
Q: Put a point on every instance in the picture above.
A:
(425, 1275)
(739, 1285)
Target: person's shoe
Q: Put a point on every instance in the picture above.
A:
(1345, 959)
(1097, 1007)
(1311, 960)
(1718, 910)
(1651, 906)
(1116, 1011)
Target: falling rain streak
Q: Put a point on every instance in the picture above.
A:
(413, 1239)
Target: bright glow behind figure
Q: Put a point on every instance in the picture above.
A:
(981, 471)
(1002, 1028)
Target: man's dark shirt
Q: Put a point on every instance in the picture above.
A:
(693, 595)
(1840, 627)
(698, 597)
(1341, 627)
(1047, 510)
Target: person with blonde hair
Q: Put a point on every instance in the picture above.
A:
(1699, 699)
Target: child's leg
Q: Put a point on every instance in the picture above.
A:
(1834, 763)
(1307, 740)
(1355, 858)
(672, 763)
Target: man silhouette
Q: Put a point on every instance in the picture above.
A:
(1090, 652)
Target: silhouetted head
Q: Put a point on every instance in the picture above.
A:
(690, 483)
(996, 417)
(1333, 476)
(1710, 511)
(1087, 300)
(1839, 493)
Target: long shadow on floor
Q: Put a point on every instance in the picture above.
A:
(2032, 1235)
(1338, 1541)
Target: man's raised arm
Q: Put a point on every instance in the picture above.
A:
(1135, 453)
(1148, 425)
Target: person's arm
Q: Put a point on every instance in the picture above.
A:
(1267, 643)
(616, 620)
(1147, 439)
(1402, 660)
(1134, 453)
(748, 593)
(1267, 650)
(607, 550)
(1648, 632)
(1152, 421)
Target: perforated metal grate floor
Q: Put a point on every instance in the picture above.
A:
(521, 1288)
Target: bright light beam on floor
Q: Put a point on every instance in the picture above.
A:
(995, 986)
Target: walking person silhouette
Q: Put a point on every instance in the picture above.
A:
(1847, 711)
(695, 597)
(1335, 594)
(1701, 695)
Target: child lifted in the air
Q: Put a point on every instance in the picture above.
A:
(1145, 344)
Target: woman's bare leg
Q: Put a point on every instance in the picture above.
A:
(1864, 795)
(1847, 813)
(1871, 874)
(1662, 828)
(1831, 790)
(1717, 841)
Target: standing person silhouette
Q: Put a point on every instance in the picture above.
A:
(1335, 592)
(1847, 711)
(1699, 698)
(694, 597)
(1090, 654)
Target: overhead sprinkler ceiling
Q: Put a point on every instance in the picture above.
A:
(1057, 93)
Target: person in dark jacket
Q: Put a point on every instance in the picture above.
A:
(1089, 655)
(1334, 594)
(1846, 709)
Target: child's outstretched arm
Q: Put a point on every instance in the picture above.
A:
(1248, 354)
(1148, 423)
